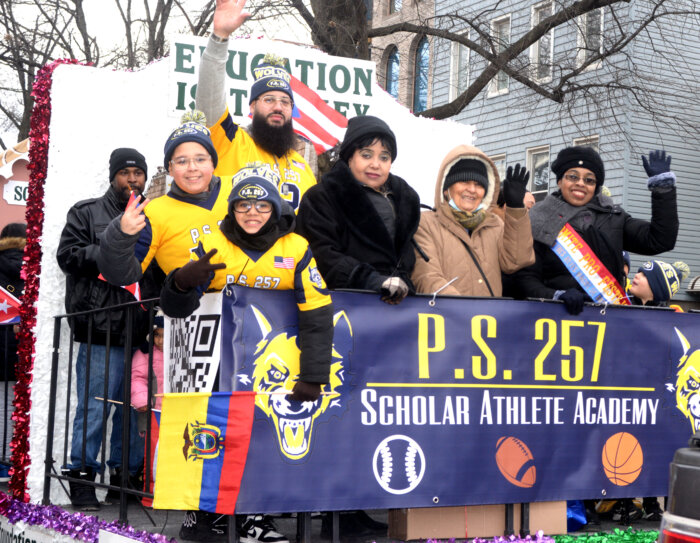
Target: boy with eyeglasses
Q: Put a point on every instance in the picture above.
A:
(169, 227)
(270, 137)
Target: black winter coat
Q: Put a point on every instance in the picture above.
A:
(612, 230)
(11, 252)
(348, 238)
(77, 257)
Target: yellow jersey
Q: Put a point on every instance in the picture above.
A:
(287, 265)
(175, 226)
(236, 148)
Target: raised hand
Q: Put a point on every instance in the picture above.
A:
(515, 186)
(133, 220)
(657, 163)
(197, 272)
(228, 17)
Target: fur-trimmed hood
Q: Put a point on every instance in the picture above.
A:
(457, 154)
(13, 243)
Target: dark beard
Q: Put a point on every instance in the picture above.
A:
(273, 139)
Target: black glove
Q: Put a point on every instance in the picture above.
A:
(394, 289)
(573, 300)
(305, 392)
(196, 272)
(515, 186)
(658, 163)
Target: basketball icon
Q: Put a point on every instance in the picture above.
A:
(515, 462)
(622, 459)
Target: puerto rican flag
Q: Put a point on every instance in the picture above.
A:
(9, 308)
(314, 119)
(286, 263)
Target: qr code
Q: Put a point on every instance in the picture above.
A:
(193, 354)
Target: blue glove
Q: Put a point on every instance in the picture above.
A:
(573, 300)
(658, 163)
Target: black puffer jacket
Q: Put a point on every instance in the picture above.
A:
(608, 229)
(77, 257)
(348, 238)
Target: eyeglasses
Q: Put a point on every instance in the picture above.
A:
(182, 163)
(573, 178)
(244, 206)
(271, 100)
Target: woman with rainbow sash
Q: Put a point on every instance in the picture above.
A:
(579, 234)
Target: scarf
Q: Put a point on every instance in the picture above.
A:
(469, 220)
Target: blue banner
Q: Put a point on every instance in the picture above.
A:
(464, 401)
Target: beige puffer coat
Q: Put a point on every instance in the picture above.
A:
(498, 246)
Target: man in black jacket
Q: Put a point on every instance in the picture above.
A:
(85, 290)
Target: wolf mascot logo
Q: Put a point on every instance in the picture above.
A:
(688, 383)
(275, 368)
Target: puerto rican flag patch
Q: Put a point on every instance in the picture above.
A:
(286, 263)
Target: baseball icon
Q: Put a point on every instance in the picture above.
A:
(399, 464)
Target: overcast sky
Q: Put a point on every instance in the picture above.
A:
(103, 19)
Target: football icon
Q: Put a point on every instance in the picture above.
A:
(515, 462)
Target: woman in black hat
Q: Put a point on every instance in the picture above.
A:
(580, 218)
(361, 218)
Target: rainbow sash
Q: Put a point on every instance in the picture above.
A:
(595, 279)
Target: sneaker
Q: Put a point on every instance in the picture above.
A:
(626, 512)
(203, 526)
(653, 513)
(258, 529)
(83, 496)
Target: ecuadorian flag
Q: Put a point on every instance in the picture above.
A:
(202, 450)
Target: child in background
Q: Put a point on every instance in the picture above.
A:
(139, 373)
(655, 284)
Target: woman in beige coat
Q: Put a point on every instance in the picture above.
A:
(463, 239)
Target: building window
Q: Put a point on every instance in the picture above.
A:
(590, 37)
(500, 32)
(394, 6)
(588, 141)
(538, 164)
(541, 53)
(500, 162)
(392, 73)
(420, 76)
(459, 69)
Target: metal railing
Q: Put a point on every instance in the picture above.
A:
(124, 489)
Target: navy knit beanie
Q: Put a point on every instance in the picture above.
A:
(256, 182)
(664, 279)
(190, 130)
(270, 75)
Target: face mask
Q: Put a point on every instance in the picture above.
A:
(456, 207)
